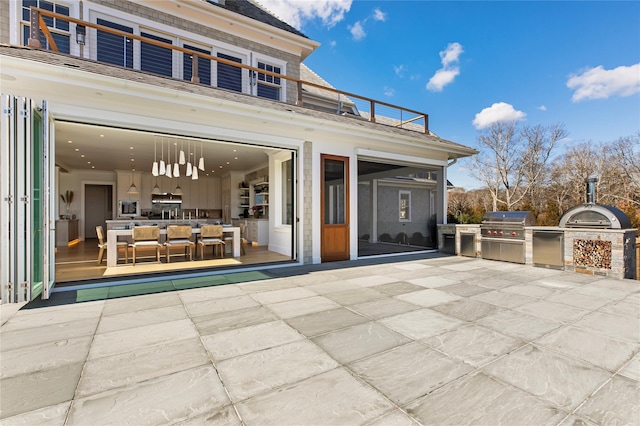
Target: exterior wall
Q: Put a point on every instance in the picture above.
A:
(389, 212)
(293, 61)
(4, 22)
(307, 203)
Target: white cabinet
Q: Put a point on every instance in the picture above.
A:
(259, 195)
(258, 231)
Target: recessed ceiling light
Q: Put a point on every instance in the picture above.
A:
(235, 150)
(93, 167)
(77, 149)
(133, 159)
(82, 155)
(220, 166)
(227, 162)
(236, 158)
(70, 141)
(102, 136)
(88, 162)
(130, 147)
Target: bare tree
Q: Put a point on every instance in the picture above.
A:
(512, 160)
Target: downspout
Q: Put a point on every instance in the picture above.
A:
(454, 161)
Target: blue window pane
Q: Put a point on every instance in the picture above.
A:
(269, 92)
(115, 49)
(62, 41)
(26, 4)
(156, 59)
(229, 77)
(204, 66)
(60, 24)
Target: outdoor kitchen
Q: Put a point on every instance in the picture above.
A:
(590, 238)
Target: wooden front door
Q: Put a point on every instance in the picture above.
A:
(334, 195)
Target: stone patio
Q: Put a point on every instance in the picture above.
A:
(432, 340)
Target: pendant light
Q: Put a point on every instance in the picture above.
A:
(154, 168)
(156, 189)
(178, 190)
(176, 169)
(194, 175)
(189, 167)
(168, 171)
(162, 170)
(201, 163)
(181, 153)
(133, 190)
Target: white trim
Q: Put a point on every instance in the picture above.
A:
(390, 158)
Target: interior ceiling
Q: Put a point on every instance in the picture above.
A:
(90, 147)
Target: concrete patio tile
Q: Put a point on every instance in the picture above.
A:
(468, 309)
(632, 369)
(564, 381)
(412, 266)
(473, 344)
(552, 311)
(532, 290)
(232, 343)
(222, 321)
(226, 304)
(615, 403)
(54, 415)
(633, 298)
(153, 401)
(395, 418)
(134, 339)
(314, 278)
(268, 285)
(310, 305)
(554, 282)
(492, 282)
(397, 288)
(462, 266)
(574, 420)
(629, 286)
(579, 300)
(327, 287)
(372, 280)
(619, 327)
(29, 318)
(249, 375)
(47, 333)
(408, 372)
(464, 289)
(44, 356)
(359, 341)
(29, 392)
(331, 398)
(503, 298)
(8, 310)
(382, 308)
(429, 297)
(208, 293)
(275, 296)
(480, 400)
(433, 281)
(358, 295)
(598, 349)
(624, 308)
(125, 369)
(225, 416)
(603, 292)
(421, 323)
(516, 324)
(148, 301)
(325, 321)
(140, 318)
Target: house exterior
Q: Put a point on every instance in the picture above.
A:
(130, 82)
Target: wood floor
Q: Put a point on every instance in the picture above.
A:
(80, 261)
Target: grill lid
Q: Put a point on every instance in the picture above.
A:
(592, 215)
(509, 218)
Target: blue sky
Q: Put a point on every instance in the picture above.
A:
(468, 64)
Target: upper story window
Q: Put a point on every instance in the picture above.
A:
(58, 28)
(204, 65)
(112, 48)
(229, 77)
(269, 86)
(155, 58)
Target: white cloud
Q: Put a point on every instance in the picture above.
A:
(599, 83)
(441, 78)
(333, 43)
(499, 111)
(389, 92)
(542, 108)
(379, 15)
(448, 72)
(399, 70)
(296, 12)
(357, 31)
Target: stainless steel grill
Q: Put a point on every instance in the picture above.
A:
(503, 235)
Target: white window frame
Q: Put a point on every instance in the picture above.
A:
(273, 62)
(16, 24)
(407, 208)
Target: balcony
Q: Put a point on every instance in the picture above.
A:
(149, 53)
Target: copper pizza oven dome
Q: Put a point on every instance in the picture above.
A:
(593, 215)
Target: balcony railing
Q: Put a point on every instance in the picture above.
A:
(117, 45)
